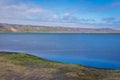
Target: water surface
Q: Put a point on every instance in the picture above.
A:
(96, 50)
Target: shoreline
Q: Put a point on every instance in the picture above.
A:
(12, 52)
(17, 66)
(55, 33)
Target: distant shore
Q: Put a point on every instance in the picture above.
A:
(57, 33)
(5, 27)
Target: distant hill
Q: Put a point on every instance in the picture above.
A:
(31, 28)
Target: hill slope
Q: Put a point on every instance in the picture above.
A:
(21, 66)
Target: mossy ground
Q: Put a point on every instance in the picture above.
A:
(21, 66)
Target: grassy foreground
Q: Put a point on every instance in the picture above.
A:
(21, 66)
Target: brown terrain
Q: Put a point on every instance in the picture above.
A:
(14, 66)
(31, 28)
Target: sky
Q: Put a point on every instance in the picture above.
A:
(65, 13)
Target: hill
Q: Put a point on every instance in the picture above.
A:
(32, 28)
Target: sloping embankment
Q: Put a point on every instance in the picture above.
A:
(21, 66)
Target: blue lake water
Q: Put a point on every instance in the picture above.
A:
(96, 50)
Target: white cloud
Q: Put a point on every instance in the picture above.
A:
(30, 11)
(66, 14)
(55, 16)
(23, 11)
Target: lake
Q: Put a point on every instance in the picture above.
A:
(95, 50)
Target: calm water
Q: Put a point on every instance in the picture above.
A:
(97, 50)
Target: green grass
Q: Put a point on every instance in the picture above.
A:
(21, 66)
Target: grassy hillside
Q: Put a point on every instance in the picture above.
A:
(21, 66)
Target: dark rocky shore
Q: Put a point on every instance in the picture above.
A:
(20, 66)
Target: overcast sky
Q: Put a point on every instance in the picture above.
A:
(67, 13)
